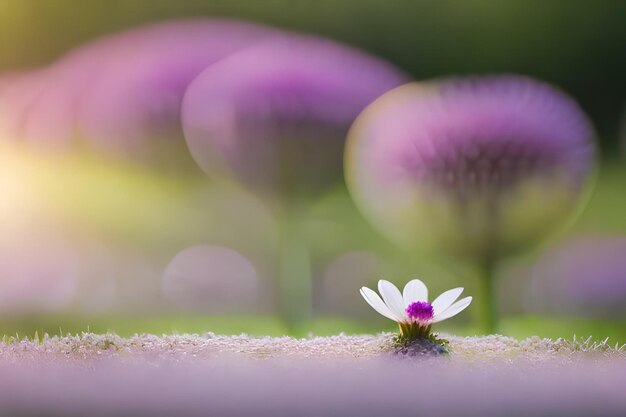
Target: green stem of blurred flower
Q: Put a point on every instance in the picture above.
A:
(294, 272)
(486, 297)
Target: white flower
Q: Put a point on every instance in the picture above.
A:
(412, 306)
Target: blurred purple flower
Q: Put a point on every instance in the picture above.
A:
(6, 79)
(275, 116)
(585, 276)
(212, 278)
(475, 166)
(51, 117)
(125, 89)
(37, 275)
(17, 93)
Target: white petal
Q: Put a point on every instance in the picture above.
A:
(392, 298)
(445, 300)
(377, 304)
(414, 290)
(453, 310)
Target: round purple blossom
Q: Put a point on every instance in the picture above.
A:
(275, 116)
(17, 94)
(585, 276)
(212, 278)
(123, 91)
(50, 118)
(481, 167)
(6, 79)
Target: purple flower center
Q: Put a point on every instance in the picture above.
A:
(420, 311)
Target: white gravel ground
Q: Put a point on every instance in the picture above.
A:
(175, 347)
(209, 375)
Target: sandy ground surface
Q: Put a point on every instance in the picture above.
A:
(89, 346)
(189, 375)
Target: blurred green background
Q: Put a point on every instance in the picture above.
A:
(577, 45)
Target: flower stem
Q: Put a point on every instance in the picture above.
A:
(487, 303)
(412, 331)
(294, 272)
